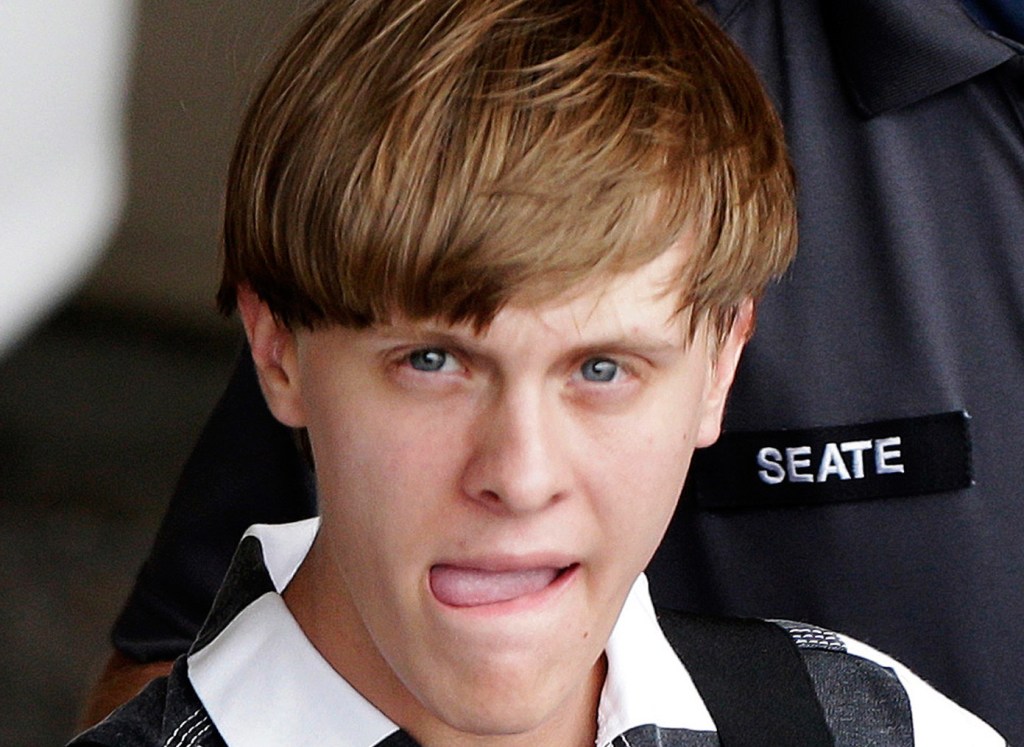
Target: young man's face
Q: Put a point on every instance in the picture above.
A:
(488, 500)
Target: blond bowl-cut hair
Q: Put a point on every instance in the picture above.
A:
(443, 158)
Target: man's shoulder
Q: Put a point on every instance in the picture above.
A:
(869, 692)
(167, 713)
(863, 695)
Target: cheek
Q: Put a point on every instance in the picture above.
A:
(641, 479)
(383, 477)
(367, 441)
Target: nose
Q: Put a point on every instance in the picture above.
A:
(519, 457)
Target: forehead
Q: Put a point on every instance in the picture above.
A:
(639, 306)
(629, 313)
(646, 298)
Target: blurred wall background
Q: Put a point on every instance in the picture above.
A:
(194, 66)
(102, 398)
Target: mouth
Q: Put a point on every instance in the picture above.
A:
(466, 586)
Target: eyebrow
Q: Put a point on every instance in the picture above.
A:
(441, 336)
(643, 344)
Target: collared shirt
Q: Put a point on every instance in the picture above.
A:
(254, 679)
(262, 657)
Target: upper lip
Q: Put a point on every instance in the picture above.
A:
(497, 563)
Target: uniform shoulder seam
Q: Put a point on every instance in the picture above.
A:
(812, 637)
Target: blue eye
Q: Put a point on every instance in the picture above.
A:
(430, 359)
(600, 370)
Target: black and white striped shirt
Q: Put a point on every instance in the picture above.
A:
(252, 678)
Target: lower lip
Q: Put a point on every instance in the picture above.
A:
(526, 602)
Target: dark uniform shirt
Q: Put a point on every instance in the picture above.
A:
(893, 354)
(905, 308)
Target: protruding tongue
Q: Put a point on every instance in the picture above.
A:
(470, 587)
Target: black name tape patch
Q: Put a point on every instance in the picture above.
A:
(886, 459)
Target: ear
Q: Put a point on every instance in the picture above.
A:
(275, 355)
(725, 360)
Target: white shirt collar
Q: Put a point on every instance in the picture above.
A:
(263, 682)
(646, 682)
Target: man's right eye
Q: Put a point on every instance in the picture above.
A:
(600, 370)
(432, 359)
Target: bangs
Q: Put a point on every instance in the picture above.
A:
(438, 159)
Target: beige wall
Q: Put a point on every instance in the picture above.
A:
(195, 62)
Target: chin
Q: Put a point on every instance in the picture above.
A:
(496, 719)
(492, 706)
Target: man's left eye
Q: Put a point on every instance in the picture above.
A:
(432, 359)
(600, 370)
